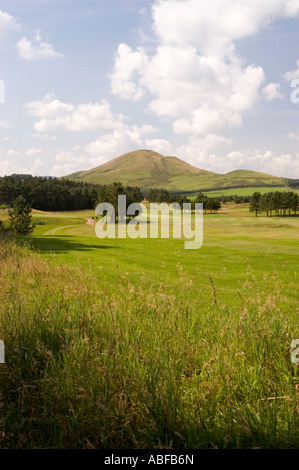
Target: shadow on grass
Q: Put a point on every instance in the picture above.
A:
(63, 244)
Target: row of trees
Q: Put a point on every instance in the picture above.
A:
(234, 198)
(161, 195)
(48, 194)
(211, 204)
(279, 203)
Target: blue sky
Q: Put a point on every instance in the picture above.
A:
(206, 80)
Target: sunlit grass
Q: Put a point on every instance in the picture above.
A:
(142, 344)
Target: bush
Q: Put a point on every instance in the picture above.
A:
(39, 222)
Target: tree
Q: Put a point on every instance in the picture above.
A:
(255, 203)
(295, 202)
(267, 203)
(20, 218)
(111, 192)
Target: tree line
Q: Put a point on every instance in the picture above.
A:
(275, 203)
(53, 194)
(234, 198)
(211, 204)
(48, 194)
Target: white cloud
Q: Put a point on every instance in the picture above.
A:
(160, 145)
(5, 125)
(44, 136)
(12, 152)
(127, 64)
(68, 162)
(291, 135)
(33, 151)
(113, 144)
(195, 76)
(7, 23)
(272, 92)
(6, 139)
(9, 167)
(267, 161)
(49, 107)
(38, 167)
(290, 76)
(36, 48)
(215, 26)
(55, 114)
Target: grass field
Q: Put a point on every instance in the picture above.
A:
(141, 344)
(240, 192)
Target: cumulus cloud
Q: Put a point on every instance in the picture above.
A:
(195, 76)
(162, 146)
(215, 26)
(292, 75)
(128, 64)
(9, 167)
(265, 161)
(68, 162)
(272, 92)
(54, 114)
(291, 135)
(113, 144)
(7, 23)
(33, 151)
(36, 48)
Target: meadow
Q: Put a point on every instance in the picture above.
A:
(142, 344)
(240, 191)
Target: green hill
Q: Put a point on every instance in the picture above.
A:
(148, 169)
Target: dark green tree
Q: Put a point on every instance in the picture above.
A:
(295, 202)
(20, 218)
(111, 192)
(255, 203)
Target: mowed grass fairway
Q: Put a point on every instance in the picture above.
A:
(235, 244)
(122, 343)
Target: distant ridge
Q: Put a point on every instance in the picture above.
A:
(148, 169)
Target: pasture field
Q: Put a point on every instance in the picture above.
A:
(240, 191)
(122, 343)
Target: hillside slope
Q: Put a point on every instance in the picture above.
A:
(148, 169)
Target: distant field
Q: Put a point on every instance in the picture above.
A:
(239, 192)
(121, 343)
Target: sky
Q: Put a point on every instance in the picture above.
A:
(213, 82)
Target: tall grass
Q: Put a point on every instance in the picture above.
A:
(93, 365)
